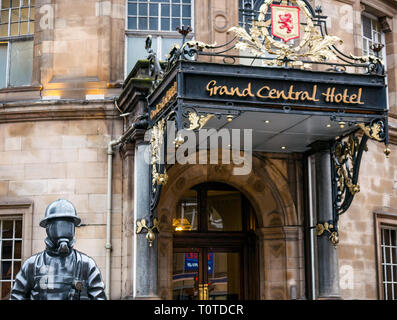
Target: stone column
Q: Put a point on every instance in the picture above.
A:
(127, 244)
(145, 257)
(327, 253)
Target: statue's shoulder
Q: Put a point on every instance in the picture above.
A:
(85, 258)
(30, 264)
(33, 258)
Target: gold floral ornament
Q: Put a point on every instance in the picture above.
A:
(198, 121)
(150, 236)
(333, 235)
(373, 131)
(313, 45)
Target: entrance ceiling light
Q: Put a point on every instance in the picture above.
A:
(181, 224)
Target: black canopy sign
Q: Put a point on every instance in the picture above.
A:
(261, 87)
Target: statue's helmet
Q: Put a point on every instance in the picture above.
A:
(60, 208)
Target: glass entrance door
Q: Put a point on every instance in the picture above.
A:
(186, 276)
(220, 280)
(214, 245)
(224, 276)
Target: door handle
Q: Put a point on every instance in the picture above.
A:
(203, 291)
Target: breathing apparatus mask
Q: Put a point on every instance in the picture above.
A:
(60, 236)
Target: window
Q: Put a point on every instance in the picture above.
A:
(10, 253)
(372, 35)
(160, 18)
(389, 262)
(17, 17)
(247, 13)
(16, 42)
(159, 15)
(386, 252)
(212, 207)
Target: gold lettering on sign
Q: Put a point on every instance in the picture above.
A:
(267, 92)
(344, 97)
(224, 90)
(170, 94)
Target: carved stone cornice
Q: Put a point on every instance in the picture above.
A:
(270, 233)
(15, 203)
(57, 110)
(127, 150)
(138, 136)
(380, 7)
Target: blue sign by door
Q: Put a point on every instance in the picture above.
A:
(191, 261)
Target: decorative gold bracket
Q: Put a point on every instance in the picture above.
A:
(321, 228)
(376, 132)
(142, 227)
(373, 131)
(198, 121)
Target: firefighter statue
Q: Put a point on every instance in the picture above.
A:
(59, 272)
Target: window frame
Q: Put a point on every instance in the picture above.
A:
(158, 35)
(382, 35)
(383, 55)
(12, 260)
(9, 41)
(383, 218)
(29, 20)
(159, 31)
(21, 209)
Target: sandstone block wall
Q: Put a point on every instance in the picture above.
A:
(46, 160)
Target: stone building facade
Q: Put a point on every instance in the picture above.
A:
(59, 116)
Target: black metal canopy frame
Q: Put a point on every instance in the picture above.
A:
(175, 94)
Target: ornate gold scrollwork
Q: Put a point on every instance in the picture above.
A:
(313, 45)
(376, 131)
(141, 226)
(156, 142)
(344, 153)
(321, 228)
(373, 131)
(198, 121)
(373, 60)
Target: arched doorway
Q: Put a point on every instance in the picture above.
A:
(279, 234)
(214, 245)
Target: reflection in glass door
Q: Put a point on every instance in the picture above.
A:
(219, 281)
(185, 277)
(224, 276)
